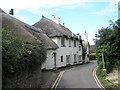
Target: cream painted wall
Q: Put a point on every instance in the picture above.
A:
(49, 63)
(62, 51)
(54, 39)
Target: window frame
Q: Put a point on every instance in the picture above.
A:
(61, 60)
(75, 43)
(62, 41)
(75, 58)
(70, 43)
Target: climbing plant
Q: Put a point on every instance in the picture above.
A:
(19, 56)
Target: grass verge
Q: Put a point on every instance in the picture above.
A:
(106, 83)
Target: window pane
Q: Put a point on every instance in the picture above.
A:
(61, 58)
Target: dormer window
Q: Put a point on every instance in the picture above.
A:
(62, 42)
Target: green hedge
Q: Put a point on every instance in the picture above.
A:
(19, 56)
(92, 57)
(109, 56)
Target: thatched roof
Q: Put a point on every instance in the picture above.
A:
(53, 29)
(26, 32)
(85, 45)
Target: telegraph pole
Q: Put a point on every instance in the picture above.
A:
(104, 70)
(103, 61)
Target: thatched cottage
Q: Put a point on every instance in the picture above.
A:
(29, 33)
(63, 47)
(70, 45)
(26, 33)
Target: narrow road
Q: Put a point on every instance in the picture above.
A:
(79, 77)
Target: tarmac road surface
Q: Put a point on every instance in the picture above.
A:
(79, 77)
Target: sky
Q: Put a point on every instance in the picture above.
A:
(78, 15)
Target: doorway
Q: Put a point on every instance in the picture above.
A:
(54, 59)
(67, 59)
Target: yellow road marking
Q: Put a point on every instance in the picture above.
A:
(56, 81)
(55, 84)
(97, 80)
(59, 79)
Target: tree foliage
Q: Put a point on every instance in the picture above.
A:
(108, 41)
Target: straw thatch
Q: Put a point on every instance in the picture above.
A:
(85, 45)
(26, 32)
(53, 29)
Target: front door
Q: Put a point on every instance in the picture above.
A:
(67, 59)
(54, 59)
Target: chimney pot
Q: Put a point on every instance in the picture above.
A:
(11, 12)
(42, 16)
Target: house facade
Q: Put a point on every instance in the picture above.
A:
(69, 51)
(86, 48)
(63, 47)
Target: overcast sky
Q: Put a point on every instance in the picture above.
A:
(78, 15)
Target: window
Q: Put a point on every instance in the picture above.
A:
(79, 56)
(74, 43)
(74, 58)
(79, 48)
(62, 42)
(61, 58)
(67, 59)
(69, 43)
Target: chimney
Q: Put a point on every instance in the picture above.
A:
(11, 12)
(86, 36)
(78, 35)
(42, 16)
(72, 34)
(55, 19)
(63, 24)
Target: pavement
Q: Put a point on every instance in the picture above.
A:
(48, 78)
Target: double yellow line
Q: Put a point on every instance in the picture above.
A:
(55, 84)
(97, 80)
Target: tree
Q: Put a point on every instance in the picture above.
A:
(108, 42)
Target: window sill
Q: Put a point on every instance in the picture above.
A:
(75, 62)
(63, 46)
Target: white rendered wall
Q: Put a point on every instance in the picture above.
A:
(49, 63)
(54, 39)
(62, 51)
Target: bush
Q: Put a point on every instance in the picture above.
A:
(109, 52)
(19, 56)
(92, 57)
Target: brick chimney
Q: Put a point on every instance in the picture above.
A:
(55, 19)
